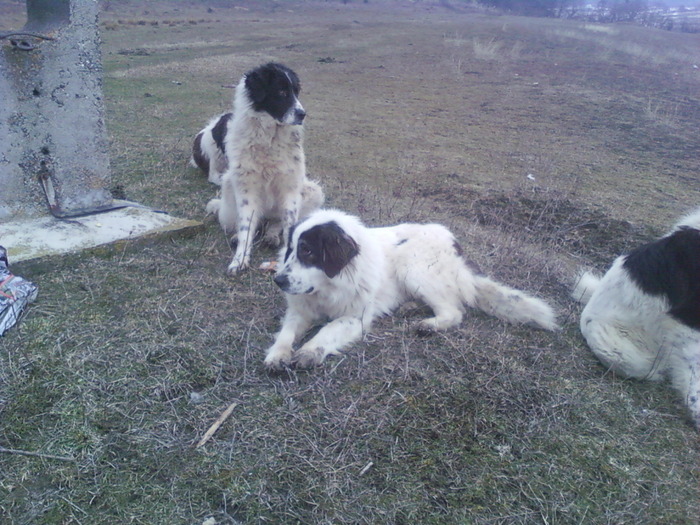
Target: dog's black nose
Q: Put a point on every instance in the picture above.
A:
(282, 281)
(299, 115)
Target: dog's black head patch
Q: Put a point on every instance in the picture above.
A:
(274, 88)
(218, 132)
(327, 247)
(671, 267)
(200, 159)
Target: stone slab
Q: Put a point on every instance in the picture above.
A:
(36, 238)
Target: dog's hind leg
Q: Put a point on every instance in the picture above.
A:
(273, 233)
(446, 316)
(626, 349)
(312, 198)
(226, 214)
(218, 168)
(444, 299)
(225, 208)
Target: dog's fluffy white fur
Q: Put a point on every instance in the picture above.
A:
(642, 318)
(333, 267)
(265, 178)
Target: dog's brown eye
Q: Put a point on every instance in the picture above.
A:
(283, 93)
(305, 252)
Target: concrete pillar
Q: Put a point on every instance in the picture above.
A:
(53, 141)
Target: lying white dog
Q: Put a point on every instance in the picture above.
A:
(642, 318)
(265, 177)
(334, 267)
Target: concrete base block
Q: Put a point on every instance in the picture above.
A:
(36, 238)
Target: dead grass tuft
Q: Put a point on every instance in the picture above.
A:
(487, 50)
(549, 215)
(661, 113)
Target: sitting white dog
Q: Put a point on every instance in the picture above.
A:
(642, 318)
(265, 184)
(334, 267)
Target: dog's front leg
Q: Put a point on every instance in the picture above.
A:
(290, 215)
(294, 325)
(330, 340)
(248, 221)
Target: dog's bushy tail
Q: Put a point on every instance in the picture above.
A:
(512, 305)
(586, 284)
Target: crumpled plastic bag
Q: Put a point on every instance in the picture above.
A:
(15, 294)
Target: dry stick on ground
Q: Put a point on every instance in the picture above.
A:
(223, 417)
(34, 454)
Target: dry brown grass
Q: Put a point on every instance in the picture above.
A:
(127, 358)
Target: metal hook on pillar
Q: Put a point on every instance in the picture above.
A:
(23, 43)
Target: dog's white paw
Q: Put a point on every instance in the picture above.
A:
(215, 177)
(278, 357)
(213, 206)
(426, 326)
(446, 320)
(237, 265)
(307, 357)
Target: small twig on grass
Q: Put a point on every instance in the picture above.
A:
(366, 468)
(34, 454)
(223, 417)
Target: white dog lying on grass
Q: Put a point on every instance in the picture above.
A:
(334, 267)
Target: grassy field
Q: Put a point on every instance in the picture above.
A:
(546, 145)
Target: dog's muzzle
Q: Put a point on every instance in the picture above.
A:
(282, 281)
(299, 115)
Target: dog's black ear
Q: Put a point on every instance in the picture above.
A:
(294, 78)
(256, 83)
(337, 249)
